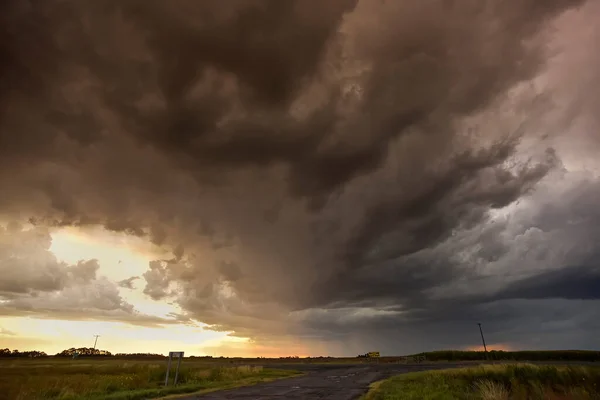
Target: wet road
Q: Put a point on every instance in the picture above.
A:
(333, 382)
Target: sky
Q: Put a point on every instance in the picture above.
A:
(274, 178)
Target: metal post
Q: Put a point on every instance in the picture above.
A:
(168, 368)
(482, 338)
(177, 369)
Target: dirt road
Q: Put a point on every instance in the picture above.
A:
(341, 382)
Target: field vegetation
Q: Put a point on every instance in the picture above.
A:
(557, 355)
(433, 356)
(114, 379)
(493, 382)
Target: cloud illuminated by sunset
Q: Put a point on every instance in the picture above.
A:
(492, 347)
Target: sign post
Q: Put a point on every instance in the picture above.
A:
(177, 369)
(172, 354)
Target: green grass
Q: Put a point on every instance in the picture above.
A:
(118, 380)
(493, 382)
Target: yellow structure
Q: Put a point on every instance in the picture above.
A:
(373, 354)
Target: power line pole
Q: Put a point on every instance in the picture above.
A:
(482, 338)
(96, 341)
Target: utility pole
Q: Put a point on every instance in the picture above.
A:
(96, 341)
(482, 338)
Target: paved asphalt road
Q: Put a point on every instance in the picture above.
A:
(333, 382)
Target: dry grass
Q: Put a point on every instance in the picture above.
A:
(490, 390)
(113, 379)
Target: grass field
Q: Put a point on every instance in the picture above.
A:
(66, 379)
(543, 355)
(493, 382)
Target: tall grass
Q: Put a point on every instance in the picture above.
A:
(32, 381)
(490, 390)
(497, 382)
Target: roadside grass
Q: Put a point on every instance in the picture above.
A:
(493, 382)
(90, 380)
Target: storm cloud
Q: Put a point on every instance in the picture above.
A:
(349, 173)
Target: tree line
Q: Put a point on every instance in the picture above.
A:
(16, 353)
(73, 352)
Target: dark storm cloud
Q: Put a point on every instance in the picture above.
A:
(294, 156)
(442, 203)
(581, 282)
(511, 324)
(531, 278)
(214, 86)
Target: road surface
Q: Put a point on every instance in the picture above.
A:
(332, 382)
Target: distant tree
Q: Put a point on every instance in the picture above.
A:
(84, 351)
(16, 353)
